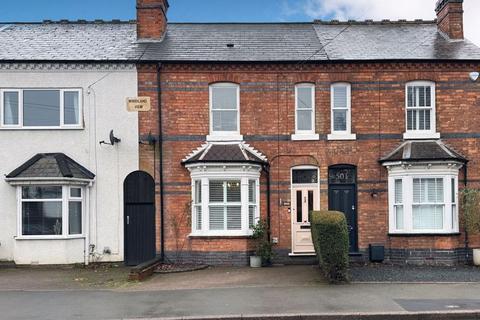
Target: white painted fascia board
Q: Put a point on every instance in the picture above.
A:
(63, 181)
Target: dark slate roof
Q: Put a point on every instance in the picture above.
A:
(319, 41)
(51, 165)
(423, 150)
(266, 42)
(224, 153)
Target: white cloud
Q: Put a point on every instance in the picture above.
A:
(394, 10)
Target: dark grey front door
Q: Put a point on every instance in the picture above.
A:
(139, 222)
(342, 196)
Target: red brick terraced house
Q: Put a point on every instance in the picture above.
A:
(377, 119)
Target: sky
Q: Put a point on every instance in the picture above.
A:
(238, 10)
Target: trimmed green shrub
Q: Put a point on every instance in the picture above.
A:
(330, 239)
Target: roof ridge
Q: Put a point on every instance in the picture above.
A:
(373, 22)
(66, 21)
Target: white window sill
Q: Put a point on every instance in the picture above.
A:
(305, 137)
(225, 137)
(221, 234)
(80, 236)
(421, 135)
(423, 233)
(40, 128)
(342, 136)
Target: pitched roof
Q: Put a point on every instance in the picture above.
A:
(265, 42)
(69, 41)
(51, 165)
(224, 153)
(423, 150)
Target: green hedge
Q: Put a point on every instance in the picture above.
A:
(330, 238)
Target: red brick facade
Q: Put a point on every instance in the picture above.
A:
(267, 120)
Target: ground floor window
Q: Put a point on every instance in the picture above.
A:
(225, 205)
(50, 211)
(423, 202)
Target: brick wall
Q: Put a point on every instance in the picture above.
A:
(450, 18)
(267, 107)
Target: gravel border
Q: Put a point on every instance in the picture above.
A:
(180, 268)
(409, 273)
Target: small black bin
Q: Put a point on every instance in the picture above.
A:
(376, 253)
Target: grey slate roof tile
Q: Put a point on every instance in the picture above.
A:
(69, 41)
(224, 153)
(51, 165)
(423, 150)
(317, 41)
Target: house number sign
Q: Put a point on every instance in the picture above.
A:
(341, 176)
(138, 104)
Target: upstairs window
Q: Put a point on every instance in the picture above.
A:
(224, 110)
(305, 112)
(341, 118)
(40, 109)
(420, 110)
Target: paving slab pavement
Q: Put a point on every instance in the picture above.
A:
(283, 292)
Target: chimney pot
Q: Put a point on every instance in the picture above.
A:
(450, 18)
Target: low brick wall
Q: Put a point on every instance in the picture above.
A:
(281, 256)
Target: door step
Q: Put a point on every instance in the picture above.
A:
(306, 254)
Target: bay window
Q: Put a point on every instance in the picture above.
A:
(224, 203)
(50, 211)
(423, 201)
(420, 110)
(40, 108)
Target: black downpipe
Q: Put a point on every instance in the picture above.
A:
(465, 182)
(160, 150)
(266, 168)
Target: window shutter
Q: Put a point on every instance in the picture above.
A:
(216, 217)
(216, 191)
(234, 218)
(398, 191)
(233, 191)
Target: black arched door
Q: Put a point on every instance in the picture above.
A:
(342, 196)
(139, 218)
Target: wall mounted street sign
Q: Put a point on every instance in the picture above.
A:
(138, 104)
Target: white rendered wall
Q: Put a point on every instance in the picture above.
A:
(104, 108)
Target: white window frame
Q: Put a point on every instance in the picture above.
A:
(229, 172)
(300, 135)
(62, 125)
(407, 174)
(224, 135)
(341, 134)
(66, 198)
(422, 134)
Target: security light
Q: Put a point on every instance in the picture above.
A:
(474, 76)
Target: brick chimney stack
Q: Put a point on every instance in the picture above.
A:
(151, 19)
(450, 18)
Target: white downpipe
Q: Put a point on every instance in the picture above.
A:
(87, 225)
